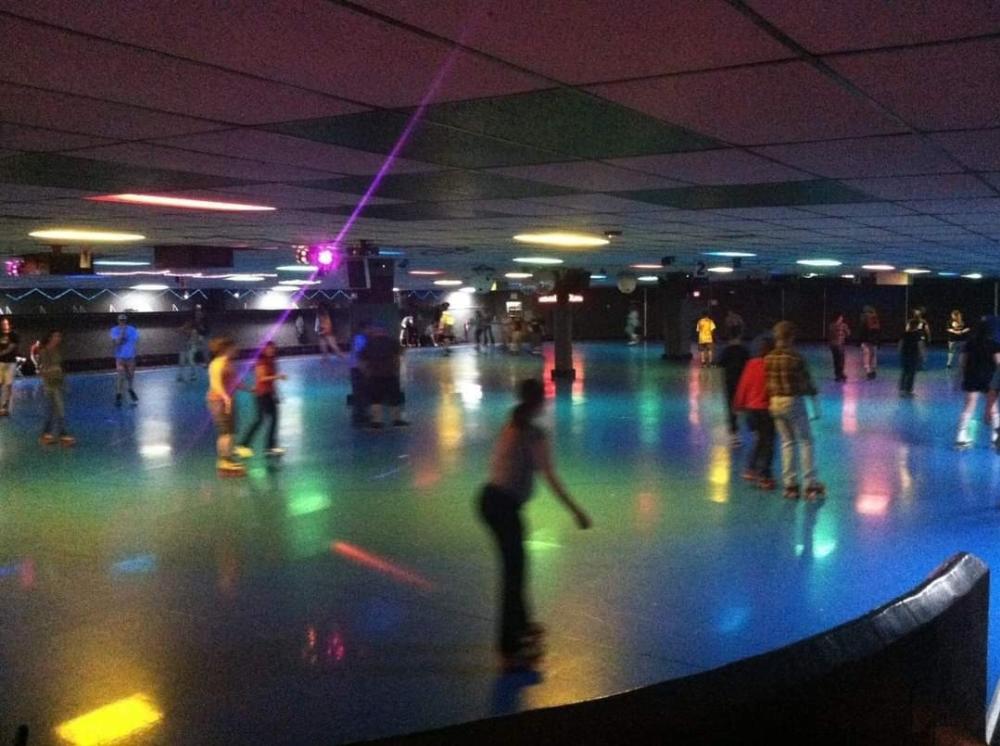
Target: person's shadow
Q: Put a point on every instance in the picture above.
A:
(507, 690)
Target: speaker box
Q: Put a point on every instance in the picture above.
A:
(192, 257)
(381, 274)
(357, 273)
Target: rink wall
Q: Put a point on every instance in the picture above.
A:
(910, 672)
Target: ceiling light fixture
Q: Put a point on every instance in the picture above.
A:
(468, 289)
(561, 238)
(598, 277)
(647, 266)
(306, 268)
(947, 274)
(721, 270)
(973, 276)
(244, 278)
(517, 275)
(537, 260)
(730, 254)
(426, 272)
(819, 262)
(150, 287)
(916, 271)
(119, 263)
(299, 283)
(847, 277)
(647, 278)
(75, 234)
(447, 283)
(183, 203)
(878, 267)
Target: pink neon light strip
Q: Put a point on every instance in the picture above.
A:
(157, 200)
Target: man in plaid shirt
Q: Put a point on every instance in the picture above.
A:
(788, 383)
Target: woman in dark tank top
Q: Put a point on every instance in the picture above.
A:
(520, 451)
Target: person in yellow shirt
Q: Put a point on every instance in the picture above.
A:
(706, 339)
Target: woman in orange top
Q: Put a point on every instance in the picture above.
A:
(751, 397)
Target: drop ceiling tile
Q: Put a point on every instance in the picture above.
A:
(956, 206)
(952, 86)
(443, 186)
(288, 195)
(977, 149)
(822, 27)
(977, 219)
(947, 186)
(519, 207)
(276, 148)
(993, 178)
(898, 155)
(48, 58)
(567, 122)
(894, 222)
(776, 103)
(17, 137)
(792, 193)
(548, 36)
(598, 203)
(589, 176)
(314, 45)
(729, 166)
(860, 210)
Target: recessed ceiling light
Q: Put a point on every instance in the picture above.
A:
(878, 267)
(183, 203)
(517, 275)
(304, 268)
(647, 278)
(119, 263)
(647, 266)
(819, 262)
(721, 270)
(150, 286)
(947, 274)
(447, 283)
(467, 289)
(74, 234)
(973, 276)
(298, 283)
(561, 238)
(284, 289)
(425, 272)
(598, 277)
(537, 260)
(916, 271)
(244, 278)
(847, 277)
(730, 254)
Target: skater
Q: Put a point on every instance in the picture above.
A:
(482, 324)
(379, 361)
(359, 396)
(706, 339)
(266, 375)
(187, 358)
(837, 336)
(751, 397)
(732, 361)
(909, 358)
(49, 362)
(919, 315)
(8, 364)
(520, 451)
(324, 330)
(632, 325)
(733, 324)
(979, 359)
(957, 332)
(125, 338)
(788, 383)
(222, 386)
(446, 328)
(870, 335)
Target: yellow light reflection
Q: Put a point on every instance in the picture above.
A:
(112, 722)
(694, 396)
(719, 467)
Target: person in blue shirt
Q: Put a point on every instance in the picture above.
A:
(125, 339)
(359, 399)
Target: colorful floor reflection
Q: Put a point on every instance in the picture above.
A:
(349, 594)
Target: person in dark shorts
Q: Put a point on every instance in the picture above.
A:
(909, 357)
(379, 361)
(8, 364)
(266, 376)
(979, 359)
(732, 361)
(521, 449)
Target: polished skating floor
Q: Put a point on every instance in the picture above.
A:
(349, 592)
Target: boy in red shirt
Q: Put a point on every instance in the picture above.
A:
(751, 397)
(265, 374)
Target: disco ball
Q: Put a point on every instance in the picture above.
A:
(627, 283)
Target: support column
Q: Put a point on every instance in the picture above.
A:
(562, 332)
(676, 335)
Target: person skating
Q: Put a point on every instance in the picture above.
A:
(979, 359)
(188, 354)
(521, 450)
(706, 339)
(751, 397)
(837, 336)
(49, 362)
(125, 339)
(732, 361)
(8, 364)
(920, 316)
(446, 328)
(266, 376)
(222, 386)
(788, 383)
(957, 332)
(909, 357)
(380, 362)
(359, 396)
(632, 326)
(870, 336)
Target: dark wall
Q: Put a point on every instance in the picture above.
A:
(907, 673)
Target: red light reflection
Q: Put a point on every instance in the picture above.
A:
(379, 564)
